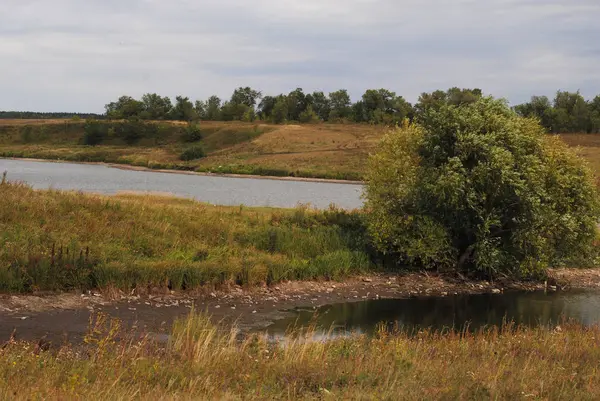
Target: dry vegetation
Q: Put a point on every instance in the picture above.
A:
(319, 150)
(202, 362)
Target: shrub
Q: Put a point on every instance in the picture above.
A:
(94, 132)
(308, 116)
(476, 187)
(192, 153)
(191, 133)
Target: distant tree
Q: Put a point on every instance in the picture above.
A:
(201, 109)
(183, 109)
(266, 106)
(359, 112)
(246, 96)
(280, 110)
(124, 107)
(538, 107)
(213, 108)
(571, 112)
(296, 104)
(156, 107)
(340, 105)
(594, 109)
(308, 116)
(321, 105)
(250, 115)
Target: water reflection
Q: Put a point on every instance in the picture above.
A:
(458, 312)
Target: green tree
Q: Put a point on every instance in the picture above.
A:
(156, 107)
(201, 109)
(297, 103)
(594, 110)
(266, 107)
(124, 107)
(183, 109)
(246, 96)
(340, 105)
(571, 112)
(538, 107)
(280, 110)
(213, 108)
(478, 188)
(321, 105)
(308, 116)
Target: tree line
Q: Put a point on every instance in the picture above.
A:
(567, 112)
(22, 115)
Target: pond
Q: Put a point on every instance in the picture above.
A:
(458, 312)
(215, 190)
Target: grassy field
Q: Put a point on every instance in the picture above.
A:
(320, 150)
(203, 362)
(59, 240)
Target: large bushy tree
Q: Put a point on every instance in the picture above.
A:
(478, 188)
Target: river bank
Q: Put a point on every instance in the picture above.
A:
(66, 316)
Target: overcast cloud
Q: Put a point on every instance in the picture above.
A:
(75, 55)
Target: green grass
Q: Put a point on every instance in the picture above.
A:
(60, 240)
(202, 361)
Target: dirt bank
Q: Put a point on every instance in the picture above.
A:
(65, 317)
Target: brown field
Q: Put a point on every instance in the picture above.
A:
(309, 150)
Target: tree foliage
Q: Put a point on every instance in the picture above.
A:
(476, 187)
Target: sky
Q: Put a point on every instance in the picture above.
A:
(76, 56)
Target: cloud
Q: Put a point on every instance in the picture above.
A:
(77, 56)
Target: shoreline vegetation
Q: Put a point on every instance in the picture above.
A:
(202, 360)
(58, 240)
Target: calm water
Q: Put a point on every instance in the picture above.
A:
(215, 190)
(474, 311)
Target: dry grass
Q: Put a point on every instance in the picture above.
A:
(319, 150)
(203, 362)
(137, 241)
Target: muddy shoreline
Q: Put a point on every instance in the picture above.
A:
(66, 317)
(187, 172)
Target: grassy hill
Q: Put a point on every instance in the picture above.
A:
(337, 151)
(321, 150)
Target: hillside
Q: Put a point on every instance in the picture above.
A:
(319, 150)
(337, 151)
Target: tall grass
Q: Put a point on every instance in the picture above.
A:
(132, 241)
(203, 361)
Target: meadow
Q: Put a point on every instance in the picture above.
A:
(56, 240)
(204, 361)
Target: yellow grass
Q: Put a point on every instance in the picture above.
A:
(203, 362)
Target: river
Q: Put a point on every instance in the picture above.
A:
(231, 191)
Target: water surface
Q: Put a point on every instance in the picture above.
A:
(438, 313)
(215, 190)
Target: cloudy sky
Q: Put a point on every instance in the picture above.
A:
(75, 55)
